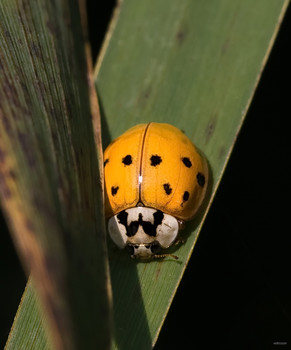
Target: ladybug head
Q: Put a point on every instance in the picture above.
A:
(143, 251)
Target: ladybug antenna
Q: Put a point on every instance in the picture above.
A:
(160, 256)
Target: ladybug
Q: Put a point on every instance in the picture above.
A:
(155, 179)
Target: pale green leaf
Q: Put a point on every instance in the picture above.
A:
(194, 64)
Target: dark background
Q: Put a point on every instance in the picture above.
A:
(236, 291)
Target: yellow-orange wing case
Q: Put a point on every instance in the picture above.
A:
(121, 170)
(155, 165)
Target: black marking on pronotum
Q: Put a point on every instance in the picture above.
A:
(187, 162)
(127, 160)
(167, 188)
(155, 160)
(200, 179)
(106, 161)
(149, 228)
(122, 217)
(114, 190)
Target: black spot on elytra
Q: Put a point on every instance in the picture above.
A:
(187, 162)
(149, 228)
(167, 188)
(127, 160)
(186, 196)
(155, 160)
(106, 161)
(200, 179)
(114, 190)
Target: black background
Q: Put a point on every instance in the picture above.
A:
(236, 291)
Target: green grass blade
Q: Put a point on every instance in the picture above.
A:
(28, 328)
(50, 185)
(194, 64)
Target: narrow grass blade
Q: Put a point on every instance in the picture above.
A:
(29, 326)
(50, 184)
(194, 64)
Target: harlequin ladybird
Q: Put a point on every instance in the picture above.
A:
(155, 179)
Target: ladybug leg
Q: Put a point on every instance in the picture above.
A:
(179, 241)
(181, 224)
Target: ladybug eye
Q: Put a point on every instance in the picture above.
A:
(130, 249)
(155, 248)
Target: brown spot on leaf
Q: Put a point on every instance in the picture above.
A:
(27, 148)
(221, 153)
(4, 189)
(2, 156)
(210, 128)
(225, 46)
(182, 33)
(147, 93)
(144, 96)
(12, 174)
(180, 36)
(35, 50)
(158, 271)
(29, 225)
